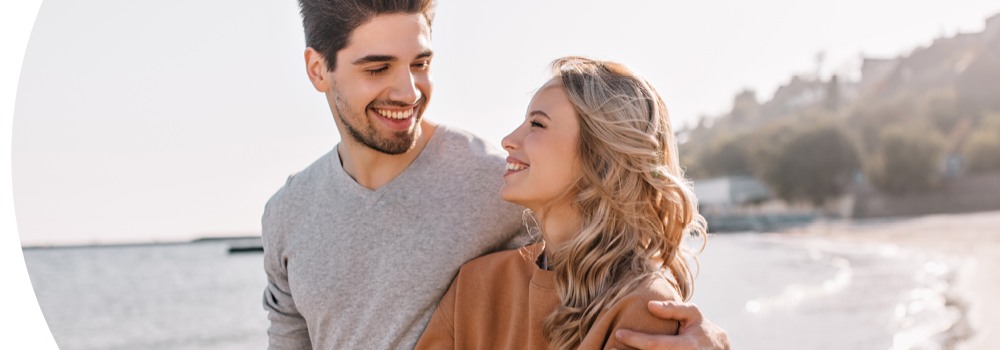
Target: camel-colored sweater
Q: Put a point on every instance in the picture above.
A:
(501, 300)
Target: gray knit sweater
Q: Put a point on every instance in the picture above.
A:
(351, 268)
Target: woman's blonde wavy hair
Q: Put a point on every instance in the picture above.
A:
(635, 205)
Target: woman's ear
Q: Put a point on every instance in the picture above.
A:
(316, 69)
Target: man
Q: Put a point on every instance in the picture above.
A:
(361, 245)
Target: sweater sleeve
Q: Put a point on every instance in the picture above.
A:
(636, 317)
(288, 328)
(440, 332)
(632, 313)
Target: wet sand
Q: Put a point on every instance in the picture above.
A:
(973, 238)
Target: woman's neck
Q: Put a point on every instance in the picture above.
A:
(559, 224)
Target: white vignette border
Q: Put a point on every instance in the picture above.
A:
(23, 325)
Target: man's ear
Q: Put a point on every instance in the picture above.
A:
(316, 69)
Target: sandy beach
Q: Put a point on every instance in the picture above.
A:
(973, 238)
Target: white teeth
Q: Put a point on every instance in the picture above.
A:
(395, 115)
(515, 167)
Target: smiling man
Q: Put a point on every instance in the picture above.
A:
(360, 246)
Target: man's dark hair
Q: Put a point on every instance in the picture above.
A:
(329, 23)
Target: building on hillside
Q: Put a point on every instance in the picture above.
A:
(874, 71)
(992, 30)
(958, 61)
(799, 93)
(741, 203)
(746, 108)
(726, 195)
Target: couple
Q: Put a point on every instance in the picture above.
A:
(362, 248)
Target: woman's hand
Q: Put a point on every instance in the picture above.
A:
(696, 333)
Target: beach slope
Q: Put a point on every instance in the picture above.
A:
(973, 237)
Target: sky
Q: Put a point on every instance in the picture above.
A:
(141, 121)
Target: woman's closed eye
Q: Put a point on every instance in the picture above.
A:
(537, 124)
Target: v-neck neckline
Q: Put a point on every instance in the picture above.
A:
(374, 195)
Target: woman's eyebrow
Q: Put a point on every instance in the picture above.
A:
(538, 114)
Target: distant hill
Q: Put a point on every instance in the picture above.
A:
(910, 120)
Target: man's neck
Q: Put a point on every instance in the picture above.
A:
(373, 169)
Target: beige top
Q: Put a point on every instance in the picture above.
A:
(500, 301)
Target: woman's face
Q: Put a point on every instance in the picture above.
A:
(543, 151)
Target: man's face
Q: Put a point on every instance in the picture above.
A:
(381, 84)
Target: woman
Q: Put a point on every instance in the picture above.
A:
(596, 163)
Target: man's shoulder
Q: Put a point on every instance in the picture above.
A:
(466, 146)
(303, 183)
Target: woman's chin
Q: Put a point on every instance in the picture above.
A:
(510, 195)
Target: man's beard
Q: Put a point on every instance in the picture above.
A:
(400, 142)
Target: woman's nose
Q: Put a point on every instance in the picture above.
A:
(511, 142)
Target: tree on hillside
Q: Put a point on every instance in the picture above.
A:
(814, 164)
(978, 86)
(832, 100)
(907, 159)
(940, 108)
(871, 117)
(982, 148)
(982, 151)
(727, 156)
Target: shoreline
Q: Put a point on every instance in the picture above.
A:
(224, 239)
(973, 238)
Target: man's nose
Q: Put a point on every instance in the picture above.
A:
(404, 89)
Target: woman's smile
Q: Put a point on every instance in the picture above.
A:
(514, 165)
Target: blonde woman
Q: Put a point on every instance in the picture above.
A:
(596, 163)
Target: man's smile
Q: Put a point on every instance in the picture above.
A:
(397, 118)
(395, 113)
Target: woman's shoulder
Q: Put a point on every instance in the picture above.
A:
(634, 304)
(654, 287)
(632, 310)
(503, 262)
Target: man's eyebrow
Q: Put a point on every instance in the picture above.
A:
(425, 54)
(375, 58)
(538, 113)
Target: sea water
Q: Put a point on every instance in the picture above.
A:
(773, 292)
(155, 297)
(767, 291)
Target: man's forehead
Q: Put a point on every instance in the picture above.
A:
(405, 36)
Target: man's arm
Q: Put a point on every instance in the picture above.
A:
(696, 333)
(288, 328)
